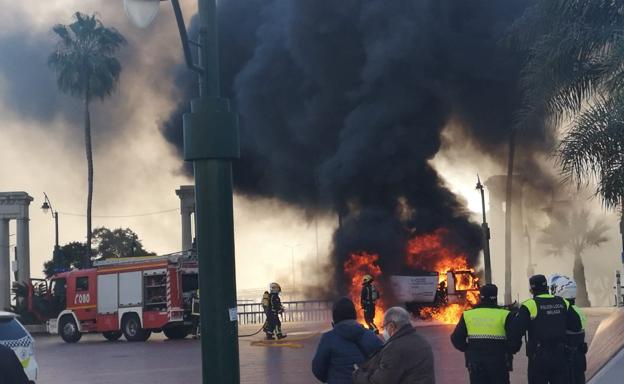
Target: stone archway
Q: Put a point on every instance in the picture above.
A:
(186, 193)
(14, 206)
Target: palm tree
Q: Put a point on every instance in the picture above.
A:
(574, 71)
(574, 232)
(86, 67)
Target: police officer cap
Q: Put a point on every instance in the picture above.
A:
(488, 292)
(538, 283)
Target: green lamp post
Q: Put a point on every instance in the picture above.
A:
(211, 142)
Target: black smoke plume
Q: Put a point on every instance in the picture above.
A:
(342, 104)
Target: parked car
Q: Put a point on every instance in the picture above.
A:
(15, 336)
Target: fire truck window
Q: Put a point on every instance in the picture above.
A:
(82, 284)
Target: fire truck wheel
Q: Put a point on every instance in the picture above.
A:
(69, 330)
(176, 333)
(131, 327)
(112, 336)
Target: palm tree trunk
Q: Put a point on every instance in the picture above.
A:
(508, 205)
(86, 263)
(582, 298)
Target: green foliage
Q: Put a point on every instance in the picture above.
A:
(84, 59)
(68, 257)
(574, 70)
(120, 242)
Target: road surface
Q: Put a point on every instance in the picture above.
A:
(94, 360)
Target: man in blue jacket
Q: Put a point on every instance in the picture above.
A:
(346, 345)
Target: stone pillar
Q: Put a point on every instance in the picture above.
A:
(186, 193)
(23, 250)
(5, 266)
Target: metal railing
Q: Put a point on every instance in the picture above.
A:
(294, 311)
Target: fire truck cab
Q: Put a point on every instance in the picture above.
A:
(132, 297)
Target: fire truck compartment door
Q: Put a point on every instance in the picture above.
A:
(130, 289)
(419, 289)
(107, 294)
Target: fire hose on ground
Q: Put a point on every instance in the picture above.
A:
(255, 333)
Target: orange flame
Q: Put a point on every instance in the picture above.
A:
(359, 265)
(428, 253)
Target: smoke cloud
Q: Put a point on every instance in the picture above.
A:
(342, 106)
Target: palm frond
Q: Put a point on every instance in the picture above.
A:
(84, 59)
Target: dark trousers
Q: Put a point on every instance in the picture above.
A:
(578, 365)
(494, 372)
(548, 371)
(369, 316)
(274, 324)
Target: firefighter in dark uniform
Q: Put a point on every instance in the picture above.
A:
(275, 308)
(547, 319)
(576, 348)
(367, 301)
(481, 334)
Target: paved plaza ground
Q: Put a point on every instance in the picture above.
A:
(160, 361)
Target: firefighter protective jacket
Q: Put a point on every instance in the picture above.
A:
(482, 334)
(275, 303)
(369, 295)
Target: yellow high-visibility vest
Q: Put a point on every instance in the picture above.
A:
(486, 323)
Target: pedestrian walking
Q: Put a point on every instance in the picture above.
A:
(546, 319)
(405, 358)
(11, 370)
(481, 334)
(346, 345)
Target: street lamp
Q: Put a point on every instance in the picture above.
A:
(486, 237)
(47, 206)
(211, 143)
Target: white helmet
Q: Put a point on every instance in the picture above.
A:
(562, 286)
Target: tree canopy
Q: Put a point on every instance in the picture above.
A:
(119, 242)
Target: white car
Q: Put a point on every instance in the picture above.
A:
(15, 336)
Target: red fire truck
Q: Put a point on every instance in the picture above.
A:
(132, 296)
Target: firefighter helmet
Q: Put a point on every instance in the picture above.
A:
(562, 286)
(275, 288)
(367, 279)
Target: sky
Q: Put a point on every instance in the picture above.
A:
(136, 170)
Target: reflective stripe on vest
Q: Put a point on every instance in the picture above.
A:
(486, 323)
(531, 305)
(581, 316)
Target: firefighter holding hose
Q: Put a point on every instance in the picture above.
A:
(273, 311)
(367, 301)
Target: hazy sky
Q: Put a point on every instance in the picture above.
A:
(136, 171)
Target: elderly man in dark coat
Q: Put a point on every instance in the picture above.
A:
(406, 358)
(345, 346)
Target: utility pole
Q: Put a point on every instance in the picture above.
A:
(211, 142)
(486, 236)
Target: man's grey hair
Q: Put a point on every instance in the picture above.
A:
(397, 315)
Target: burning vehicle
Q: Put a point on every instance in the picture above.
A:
(435, 281)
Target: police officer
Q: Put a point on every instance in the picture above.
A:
(576, 350)
(482, 335)
(547, 319)
(275, 308)
(367, 301)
